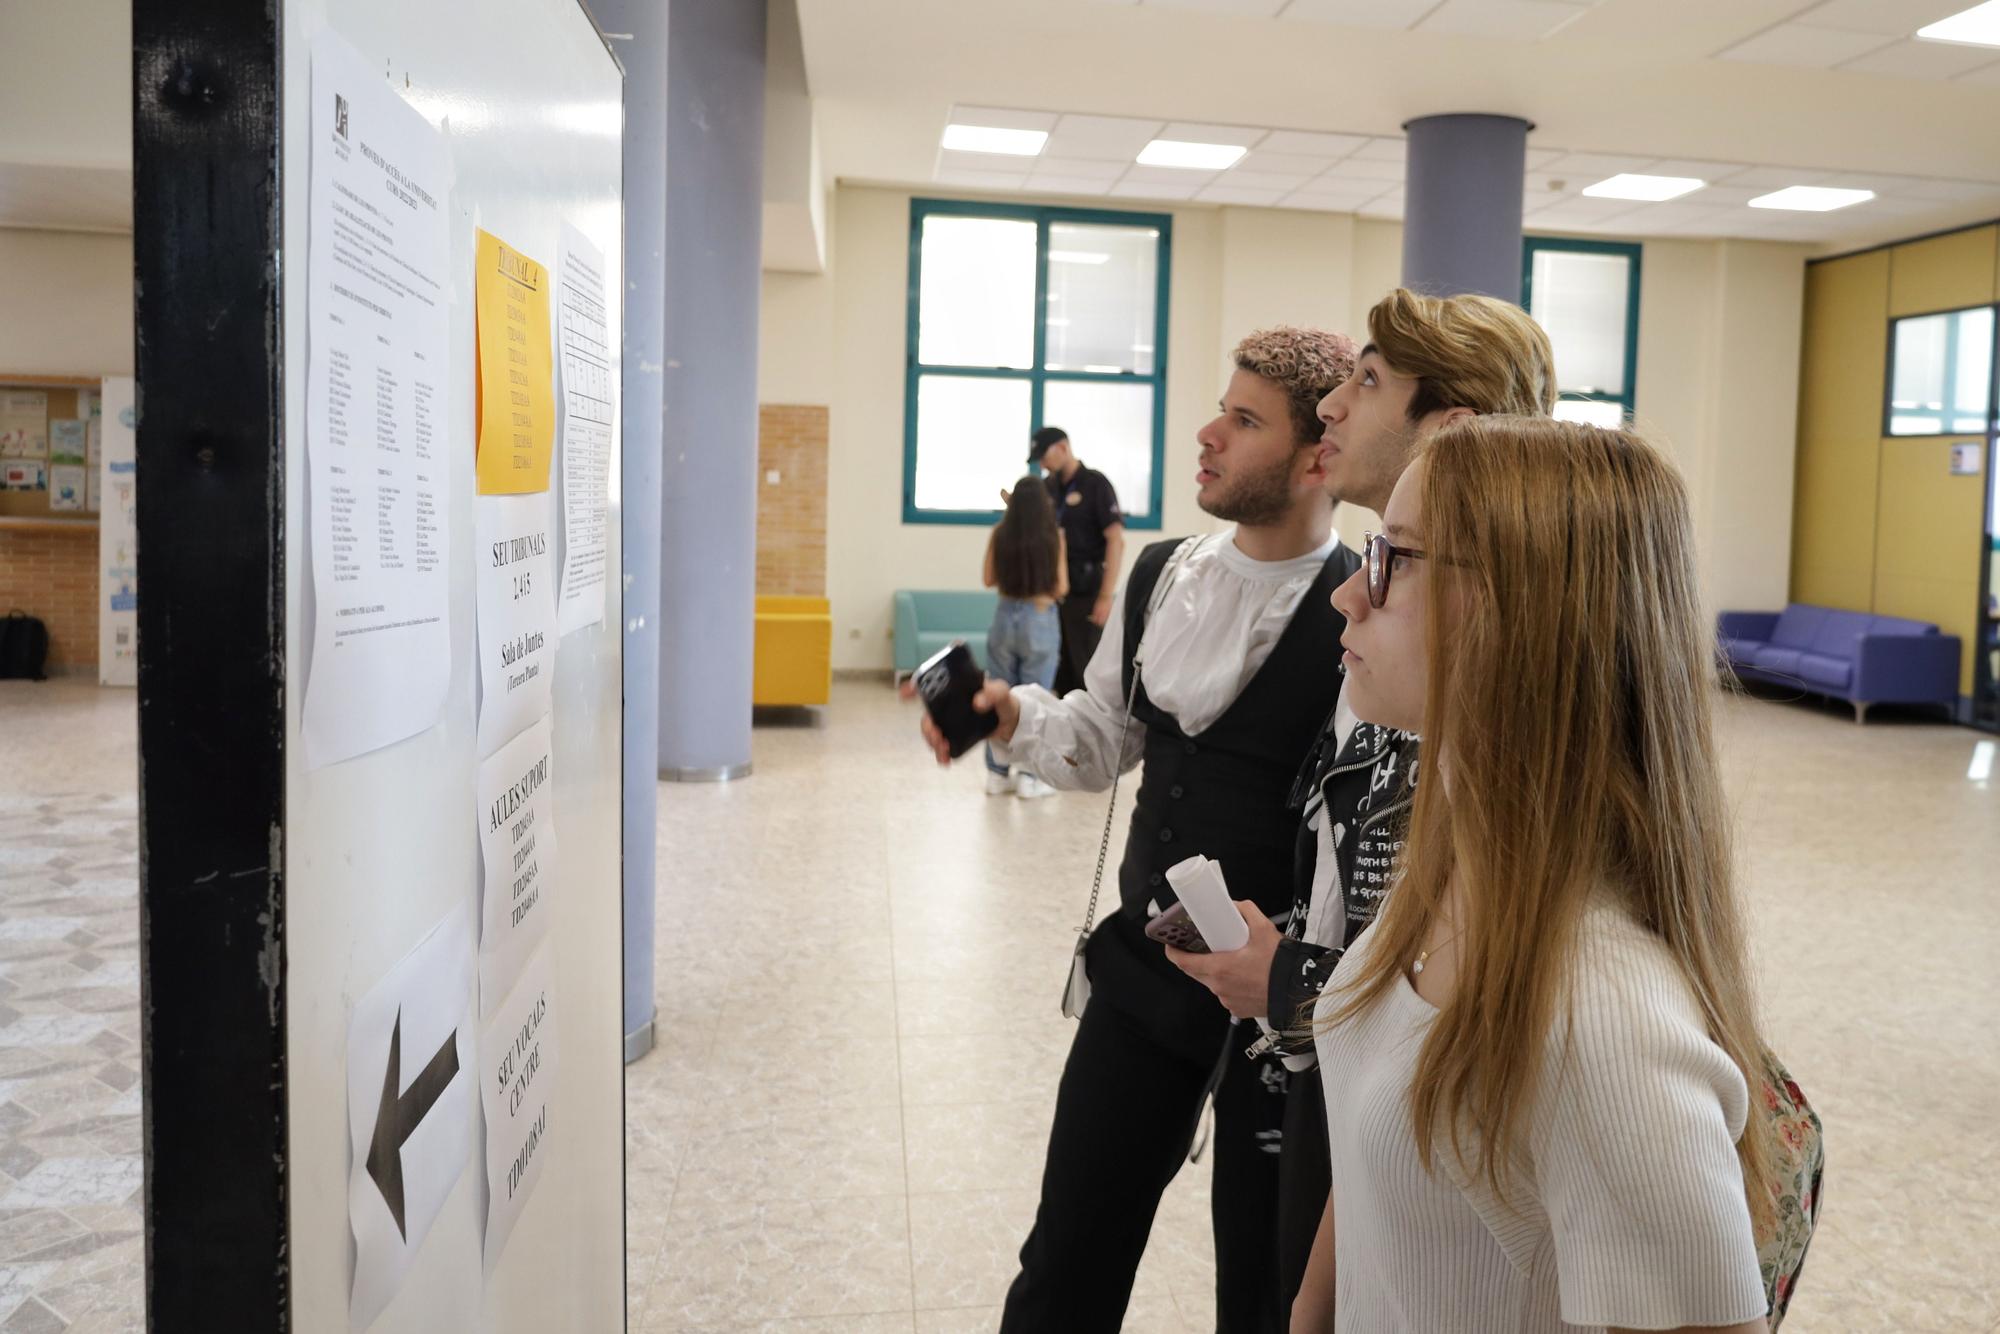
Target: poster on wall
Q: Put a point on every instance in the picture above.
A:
(93, 462)
(517, 411)
(410, 1107)
(589, 386)
(516, 596)
(24, 424)
(68, 448)
(118, 535)
(517, 852)
(519, 1076)
(378, 457)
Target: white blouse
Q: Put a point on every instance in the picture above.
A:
(1627, 1207)
(1215, 627)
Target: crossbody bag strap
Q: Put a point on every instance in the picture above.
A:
(1181, 553)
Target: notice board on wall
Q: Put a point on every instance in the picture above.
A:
(400, 878)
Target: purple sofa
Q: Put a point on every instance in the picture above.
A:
(1850, 655)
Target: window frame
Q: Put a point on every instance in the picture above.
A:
(1037, 376)
(1633, 252)
(1951, 361)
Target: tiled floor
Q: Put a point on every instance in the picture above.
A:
(859, 957)
(71, 1245)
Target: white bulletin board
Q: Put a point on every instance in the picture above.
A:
(379, 848)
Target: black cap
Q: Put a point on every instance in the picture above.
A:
(1039, 442)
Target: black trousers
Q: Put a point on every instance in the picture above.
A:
(1079, 640)
(1305, 1175)
(1125, 1117)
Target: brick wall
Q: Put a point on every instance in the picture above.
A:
(791, 514)
(53, 575)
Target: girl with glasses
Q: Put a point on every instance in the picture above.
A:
(1545, 1086)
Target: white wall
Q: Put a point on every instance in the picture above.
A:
(1718, 387)
(69, 303)
(1717, 382)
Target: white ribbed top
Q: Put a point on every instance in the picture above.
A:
(1628, 1209)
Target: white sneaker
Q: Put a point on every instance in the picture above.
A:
(1028, 787)
(1001, 785)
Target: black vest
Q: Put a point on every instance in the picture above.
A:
(1221, 794)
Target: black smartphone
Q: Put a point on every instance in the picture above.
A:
(1174, 927)
(947, 683)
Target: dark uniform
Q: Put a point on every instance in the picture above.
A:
(1086, 505)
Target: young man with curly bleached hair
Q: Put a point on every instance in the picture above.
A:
(1240, 665)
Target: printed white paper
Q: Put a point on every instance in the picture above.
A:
(517, 844)
(410, 1107)
(517, 614)
(518, 1052)
(589, 386)
(377, 361)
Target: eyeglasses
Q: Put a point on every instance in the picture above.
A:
(1381, 555)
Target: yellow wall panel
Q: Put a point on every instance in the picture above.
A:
(1943, 273)
(1840, 411)
(1928, 540)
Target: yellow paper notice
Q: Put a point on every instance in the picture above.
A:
(517, 411)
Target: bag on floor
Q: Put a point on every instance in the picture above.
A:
(24, 646)
(1798, 1160)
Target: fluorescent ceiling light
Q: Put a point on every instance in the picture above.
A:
(1651, 189)
(986, 139)
(1194, 157)
(1078, 257)
(1977, 26)
(1811, 198)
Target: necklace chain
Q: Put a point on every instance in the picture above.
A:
(1423, 956)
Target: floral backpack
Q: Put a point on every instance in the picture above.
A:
(1798, 1157)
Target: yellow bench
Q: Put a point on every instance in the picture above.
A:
(793, 659)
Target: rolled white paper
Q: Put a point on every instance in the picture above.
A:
(1198, 883)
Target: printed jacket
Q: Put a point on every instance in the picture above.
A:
(1355, 805)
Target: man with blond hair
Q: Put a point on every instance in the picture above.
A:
(1241, 645)
(1429, 361)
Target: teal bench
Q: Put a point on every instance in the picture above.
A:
(928, 620)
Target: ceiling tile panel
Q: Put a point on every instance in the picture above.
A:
(1952, 192)
(1067, 185)
(1392, 149)
(1693, 168)
(1541, 157)
(1361, 13)
(1891, 18)
(1102, 138)
(1283, 164)
(1309, 144)
(1282, 182)
(1922, 60)
(1597, 166)
(1082, 169)
(1227, 194)
(1798, 44)
(1000, 118)
(1521, 20)
(1257, 9)
(1360, 169)
(1194, 132)
(984, 180)
(1987, 75)
(1145, 190)
(1194, 180)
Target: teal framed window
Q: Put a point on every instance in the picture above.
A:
(1022, 317)
(1940, 373)
(1586, 295)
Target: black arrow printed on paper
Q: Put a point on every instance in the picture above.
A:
(401, 1114)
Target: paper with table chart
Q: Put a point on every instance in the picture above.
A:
(589, 381)
(377, 443)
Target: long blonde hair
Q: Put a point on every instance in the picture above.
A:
(1569, 708)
